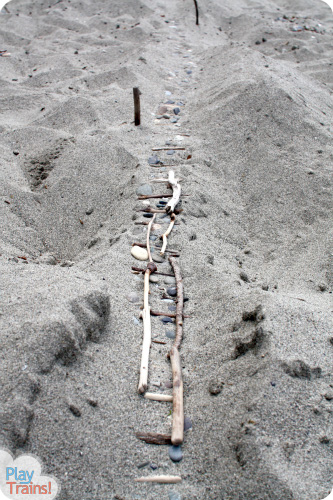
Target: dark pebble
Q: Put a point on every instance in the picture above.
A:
(92, 402)
(170, 334)
(76, 412)
(172, 291)
(175, 453)
(148, 216)
(166, 320)
(162, 202)
(16, 153)
(273, 384)
(144, 464)
(176, 111)
(170, 102)
(153, 466)
(89, 211)
(187, 423)
(243, 276)
(258, 42)
(215, 387)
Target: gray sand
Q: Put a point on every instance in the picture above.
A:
(255, 237)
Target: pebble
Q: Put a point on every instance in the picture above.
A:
(153, 160)
(173, 495)
(168, 385)
(148, 215)
(153, 466)
(136, 321)
(189, 71)
(170, 334)
(215, 387)
(170, 280)
(243, 276)
(168, 301)
(139, 253)
(172, 308)
(153, 237)
(153, 279)
(144, 189)
(187, 423)
(176, 111)
(162, 202)
(166, 320)
(133, 297)
(171, 152)
(167, 92)
(173, 120)
(158, 258)
(172, 291)
(175, 453)
(89, 211)
(162, 110)
(170, 102)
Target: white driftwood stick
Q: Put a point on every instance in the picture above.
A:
(158, 397)
(146, 343)
(177, 435)
(176, 190)
(159, 479)
(166, 234)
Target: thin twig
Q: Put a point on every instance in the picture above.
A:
(151, 267)
(150, 210)
(167, 232)
(143, 271)
(148, 196)
(158, 397)
(136, 97)
(159, 479)
(154, 437)
(196, 13)
(168, 149)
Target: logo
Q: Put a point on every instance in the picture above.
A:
(21, 478)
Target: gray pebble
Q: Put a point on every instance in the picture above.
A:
(189, 71)
(153, 160)
(153, 237)
(153, 279)
(167, 92)
(243, 276)
(170, 280)
(133, 297)
(173, 120)
(176, 111)
(153, 466)
(173, 495)
(171, 152)
(187, 423)
(158, 258)
(172, 291)
(175, 453)
(170, 334)
(215, 387)
(168, 301)
(170, 102)
(136, 321)
(166, 319)
(172, 308)
(89, 211)
(144, 189)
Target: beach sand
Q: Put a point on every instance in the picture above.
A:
(253, 83)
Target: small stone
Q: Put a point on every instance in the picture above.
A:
(322, 287)
(328, 395)
(148, 215)
(170, 334)
(175, 453)
(171, 152)
(143, 464)
(170, 102)
(89, 211)
(166, 319)
(153, 160)
(176, 111)
(139, 253)
(168, 385)
(162, 202)
(75, 410)
(167, 92)
(132, 297)
(153, 466)
(47, 259)
(153, 237)
(215, 387)
(167, 117)
(172, 308)
(153, 278)
(162, 109)
(324, 439)
(174, 120)
(243, 276)
(187, 423)
(92, 402)
(170, 280)
(189, 72)
(264, 287)
(258, 42)
(173, 495)
(16, 153)
(158, 258)
(144, 189)
(136, 321)
(172, 291)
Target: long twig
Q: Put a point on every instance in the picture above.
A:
(159, 479)
(151, 267)
(176, 190)
(168, 149)
(154, 437)
(196, 13)
(158, 397)
(167, 232)
(178, 403)
(148, 196)
(139, 270)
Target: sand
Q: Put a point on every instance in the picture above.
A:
(254, 82)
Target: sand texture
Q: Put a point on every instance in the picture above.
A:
(248, 94)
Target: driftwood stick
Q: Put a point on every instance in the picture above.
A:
(138, 269)
(180, 302)
(166, 234)
(144, 245)
(177, 435)
(148, 196)
(176, 190)
(143, 381)
(158, 397)
(148, 236)
(159, 479)
(150, 210)
(178, 404)
(168, 149)
(169, 315)
(136, 97)
(196, 13)
(154, 437)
